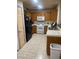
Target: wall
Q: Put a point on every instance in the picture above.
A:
(59, 13)
(50, 14)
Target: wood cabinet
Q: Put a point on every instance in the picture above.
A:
(47, 15)
(50, 14)
(52, 39)
(34, 29)
(33, 16)
(53, 14)
(45, 29)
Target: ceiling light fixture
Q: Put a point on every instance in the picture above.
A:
(40, 7)
(35, 1)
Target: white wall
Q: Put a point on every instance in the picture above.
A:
(59, 13)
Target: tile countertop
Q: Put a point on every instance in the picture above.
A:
(53, 33)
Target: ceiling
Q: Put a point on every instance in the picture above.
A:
(39, 4)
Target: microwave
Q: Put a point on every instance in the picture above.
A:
(40, 18)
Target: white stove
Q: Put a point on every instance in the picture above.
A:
(40, 26)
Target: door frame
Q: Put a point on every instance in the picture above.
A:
(19, 6)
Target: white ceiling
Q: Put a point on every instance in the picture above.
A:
(30, 4)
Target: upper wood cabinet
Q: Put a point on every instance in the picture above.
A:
(33, 16)
(50, 14)
(47, 15)
(53, 14)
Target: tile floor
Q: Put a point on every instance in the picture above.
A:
(34, 49)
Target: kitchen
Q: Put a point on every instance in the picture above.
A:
(44, 21)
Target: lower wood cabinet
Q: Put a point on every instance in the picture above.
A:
(34, 29)
(52, 39)
(45, 29)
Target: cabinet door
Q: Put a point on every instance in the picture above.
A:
(34, 30)
(53, 14)
(34, 16)
(52, 39)
(20, 25)
(47, 16)
(45, 29)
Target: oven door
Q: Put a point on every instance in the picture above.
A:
(40, 29)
